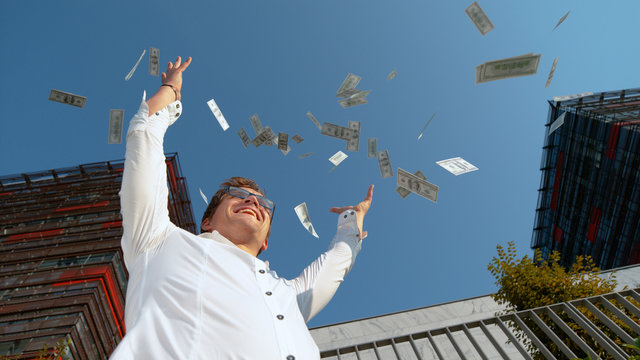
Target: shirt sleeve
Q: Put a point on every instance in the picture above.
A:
(144, 192)
(317, 283)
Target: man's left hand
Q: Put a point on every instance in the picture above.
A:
(361, 210)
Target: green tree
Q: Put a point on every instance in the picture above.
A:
(528, 283)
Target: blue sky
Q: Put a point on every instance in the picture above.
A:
(280, 59)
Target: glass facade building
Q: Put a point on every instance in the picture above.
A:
(589, 195)
(62, 276)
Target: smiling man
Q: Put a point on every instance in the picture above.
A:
(209, 296)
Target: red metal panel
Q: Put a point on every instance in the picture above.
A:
(558, 234)
(33, 235)
(594, 224)
(612, 142)
(556, 181)
(87, 206)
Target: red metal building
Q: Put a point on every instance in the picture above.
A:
(61, 270)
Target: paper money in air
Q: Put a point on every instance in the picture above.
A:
(557, 123)
(353, 144)
(303, 216)
(562, 19)
(392, 75)
(116, 117)
(338, 157)
(417, 185)
(244, 137)
(218, 114)
(425, 127)
(297, 138)
(349, 83)
(283, 141)
(572, 97)
(315, 121)
(256, 124)
(479, 18)
(385, 164)
(154, 61)
(126, 78)
(404, 192)
(523, 65)
(67, 98)
(553, 69)
(206, 201)
(372, 147)
(457, 166)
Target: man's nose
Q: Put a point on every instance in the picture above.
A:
(252, 199)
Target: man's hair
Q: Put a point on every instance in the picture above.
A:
(217, 197)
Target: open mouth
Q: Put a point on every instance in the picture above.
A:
(248, 211)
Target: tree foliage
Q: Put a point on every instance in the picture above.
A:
(528, 283)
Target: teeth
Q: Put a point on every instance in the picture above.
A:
(249, 212)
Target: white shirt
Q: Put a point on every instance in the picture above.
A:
(202, 297)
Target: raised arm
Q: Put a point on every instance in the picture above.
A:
(144, 192)
(319, 281)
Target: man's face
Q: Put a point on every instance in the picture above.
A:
(243, 221)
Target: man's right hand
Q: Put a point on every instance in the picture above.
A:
(166, 94)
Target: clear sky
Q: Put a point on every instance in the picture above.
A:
(280, 59)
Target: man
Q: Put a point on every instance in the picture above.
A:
(209, 296)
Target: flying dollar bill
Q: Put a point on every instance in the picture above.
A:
(256, 124)
(349, 83)
(417, 185)
(338, 157)
(283, 141)
(218, 114)
(303, 216)
(246, 140)
(297, 138)
(336, 131)
(392, 75)
(557, 123)
(425, 127)
(349, 93)
(315, 121)
(479, 18)
(372, 147)
(507, 68)
(116, 117)
(553, 69)
(266, 135)
(353, 143)
(457, 166)
(305, 155)
(571, 97)
(561, 20)
(67, 98)
(206, 201)
(154, 61)
(404, 192)
(347, 103)
(126, 78)
(385, 164)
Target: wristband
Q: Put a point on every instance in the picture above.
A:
(174, 90)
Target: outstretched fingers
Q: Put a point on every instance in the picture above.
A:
(186, 64)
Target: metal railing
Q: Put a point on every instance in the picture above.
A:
(594, 326)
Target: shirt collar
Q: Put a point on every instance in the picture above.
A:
(217, 237)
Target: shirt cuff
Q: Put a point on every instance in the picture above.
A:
(348, 231)
(158, 121)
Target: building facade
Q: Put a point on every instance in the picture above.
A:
(589, 195)
(62, 276)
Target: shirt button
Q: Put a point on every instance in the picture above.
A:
(177, 114)
(177, 106)
(291, 357)
(345, 216)
(269, 293)
(353, 212)
(158, 113)
(280, 317)
(261, 271)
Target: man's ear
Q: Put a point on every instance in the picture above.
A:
(206, 225)
(266, 243)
